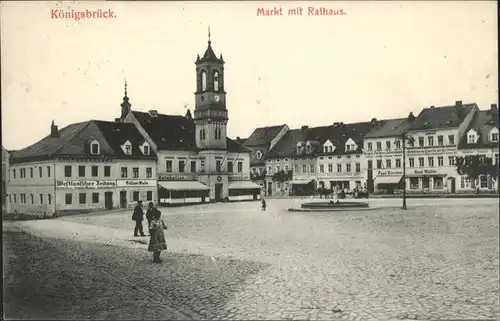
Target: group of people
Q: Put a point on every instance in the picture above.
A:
(157, 242)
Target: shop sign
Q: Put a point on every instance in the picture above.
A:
(176, 178)
(425, 172)
(238, 177)
(85, 184)
(389, 173)
(136, 183)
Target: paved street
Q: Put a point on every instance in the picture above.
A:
(437, 260)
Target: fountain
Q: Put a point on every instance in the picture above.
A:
(333, 205)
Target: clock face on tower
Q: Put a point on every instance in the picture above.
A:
(217, 98)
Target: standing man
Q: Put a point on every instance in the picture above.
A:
(151, 213)
(138, 217)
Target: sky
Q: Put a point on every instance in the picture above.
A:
(379, 60)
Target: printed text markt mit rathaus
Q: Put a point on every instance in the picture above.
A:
(299, 11)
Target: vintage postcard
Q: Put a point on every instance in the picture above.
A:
(250, 160)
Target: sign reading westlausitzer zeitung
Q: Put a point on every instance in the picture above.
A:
(85, 184)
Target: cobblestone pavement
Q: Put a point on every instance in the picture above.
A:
(438, 260)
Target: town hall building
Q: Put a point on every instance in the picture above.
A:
(197, 162)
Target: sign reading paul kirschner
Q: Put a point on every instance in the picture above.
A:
(82, 14)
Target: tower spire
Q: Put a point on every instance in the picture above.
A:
(125, 87)
(209, 41)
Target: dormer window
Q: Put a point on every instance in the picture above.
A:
(299, 148)
(95, 148)
(128, 149)
(494, 137)
(146, 150)
(330, 149)
(471, 138)
(308, 147)
(259, 154)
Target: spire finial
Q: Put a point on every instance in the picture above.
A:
(125, 87)
(209, 42)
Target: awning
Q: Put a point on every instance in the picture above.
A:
(243, 185)
(301, 181)
(388, 179)
(183, 186)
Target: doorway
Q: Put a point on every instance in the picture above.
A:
(269, 188)
(123, 199)
(452, 185)
(108, 200)
(218, 192)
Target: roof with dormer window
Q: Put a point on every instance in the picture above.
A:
(441, 117)
(482, 123)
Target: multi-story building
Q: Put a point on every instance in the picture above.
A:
(260, 142)
(481, 138)
(197, 162)
(5, 180)
(93, 165)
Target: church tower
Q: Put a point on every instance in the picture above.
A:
(210, 113)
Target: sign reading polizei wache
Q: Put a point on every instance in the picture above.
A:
(85, 184)
(135, 182)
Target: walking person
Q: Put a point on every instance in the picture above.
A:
(263, 204)
(157, 242)
(151, 212)
(138, 217)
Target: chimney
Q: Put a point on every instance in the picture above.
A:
(374, 120)
(54, 132)
(458, 104)
(494, 108)
(304, 128)
(153, 113)
(188, 115)
(411, 117)
(118, 120)
(238, 140)
(432, 107)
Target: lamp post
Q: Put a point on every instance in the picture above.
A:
(410, 139)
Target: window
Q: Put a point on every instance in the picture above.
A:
(15, 198)
(95, 171)
(31, 172)
(308, 148)
(23, 172)
(339, 168)
(494, 137)
(240, 167)
(23, 198)
(431, 161)
(438, 183)
(411, 143)
(471, 138)
(388, 145)
(348, 168)
(135, 172)
(370, 164)
(347, 148)
(321, 168)
(330, 148)
(94, 148)
(229, 167)
(135, 196)
(218, 166)
(146, 149)
(182, 165)
(49, 199)
(203, 80)
(387, 163)
(325, 149)
(413, 182)
(32, 198)
(379, 145)
(304, 169)
(411, 162)
(330, 168)
(128, 149)
(169, 166)
(440, 161)
(48, 171)
(421, 161)
(202, 134)
(95, 198)
(217, 132)
(202, 166)
(107, 171)
(451, 139)
(124, 172)
(440, 140)
(286, 168)
(483, 180)
(451, 160)
(369, 146)
(82, 198)
(430, 140)
(465, 182)
(14, 174)
(69, 199)
(81, 171)
(311, 168)
(379, 163)
(358, 167)
(149, 195)
(397, 144)
(67, 171)
(149, 172)
(40, 171)
(41, 198)
(398, 163)
(193, 166)
(216, 81)
(420, 141)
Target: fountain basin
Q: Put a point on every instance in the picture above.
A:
(316, 205)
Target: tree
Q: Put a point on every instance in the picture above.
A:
(283, 176)
(473, 166)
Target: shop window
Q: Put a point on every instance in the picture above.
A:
(135, 196)
(82, 198)
(483, 180)
(95, 198)
(438, 183)
(425, 182)
(413, 182)
(69, 199)
(149, 195)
